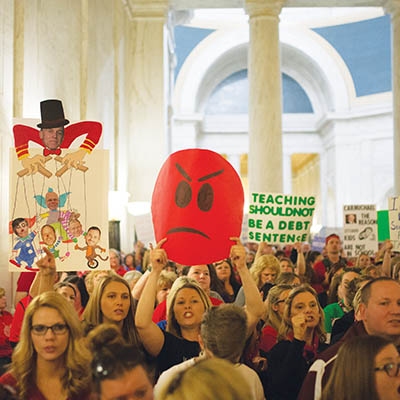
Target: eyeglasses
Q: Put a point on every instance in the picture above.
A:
(392, 369)
(57, 329)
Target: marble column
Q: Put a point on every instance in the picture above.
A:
(145, 94)
(393, 7)
(52, 43)
(265, 104)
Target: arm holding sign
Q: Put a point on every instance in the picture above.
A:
(150, 334)
(263, 248)
(387, 257)
(45, 278)
(301, 262)
(254, 304)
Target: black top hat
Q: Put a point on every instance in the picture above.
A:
(52, 113)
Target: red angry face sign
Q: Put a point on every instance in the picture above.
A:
(197, 205)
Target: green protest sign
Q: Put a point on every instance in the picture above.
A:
(280, 218)
(383, 225)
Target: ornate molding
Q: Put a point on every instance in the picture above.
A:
(259, 8)
(147, 8)
(392, 6)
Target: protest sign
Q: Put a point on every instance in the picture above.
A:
(360, 230)
(280, 218)
(394, 221)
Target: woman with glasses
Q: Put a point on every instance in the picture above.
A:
(366, 368)
(119, 370)
(50, 361)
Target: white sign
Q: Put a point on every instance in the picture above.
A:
(359, 230)
(280, 218)
(394, 221)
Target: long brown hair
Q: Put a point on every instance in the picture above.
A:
(353, 375)
(93, 316)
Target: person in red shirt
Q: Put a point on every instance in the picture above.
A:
(5, 325)
(327, 268)
(115, 262)
(51, 360)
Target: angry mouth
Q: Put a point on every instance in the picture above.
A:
(188, 230)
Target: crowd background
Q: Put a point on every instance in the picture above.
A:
(272, 313)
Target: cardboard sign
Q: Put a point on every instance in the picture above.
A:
(197, 204)
(54, 203)
(280, 218)
(360, 230)
(394, 221)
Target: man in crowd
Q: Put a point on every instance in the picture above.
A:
(378, 314)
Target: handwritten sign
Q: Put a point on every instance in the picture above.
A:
(360, 229)
(280, 218)
(394, 221)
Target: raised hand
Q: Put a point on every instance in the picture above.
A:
(158, 256)
(238, 254)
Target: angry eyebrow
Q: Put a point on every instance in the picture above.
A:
(205, 177)
(183, 172)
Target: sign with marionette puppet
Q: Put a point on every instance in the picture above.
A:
(58, 193)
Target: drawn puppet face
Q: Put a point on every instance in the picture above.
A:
(197, 205)
(48, 235)
(52, 200)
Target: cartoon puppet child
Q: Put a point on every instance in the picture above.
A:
(49, 238)
(24, 250)
(92, 239)
(52, 201)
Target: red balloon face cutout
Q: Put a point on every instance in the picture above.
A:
(197, 205)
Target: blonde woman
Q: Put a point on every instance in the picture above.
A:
(275, 304)
(301, 337)
(186, 304)
(50, 361)
(265, 270)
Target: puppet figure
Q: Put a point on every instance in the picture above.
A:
(92, 239)
(24, 249)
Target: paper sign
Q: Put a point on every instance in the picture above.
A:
(280, 218)
(197, 204)
(394, 221)
(56, 204)
(383, 225)
(360, 230)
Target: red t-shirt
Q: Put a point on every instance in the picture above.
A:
(5, 325)
(18, 318)
(268, 338)
(25, 281)
(121, 271)
(34, 393)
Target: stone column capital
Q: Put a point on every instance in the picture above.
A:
(391, 6)
(148, 8)
(261, 8)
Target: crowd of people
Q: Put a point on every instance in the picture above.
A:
(268, 322)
